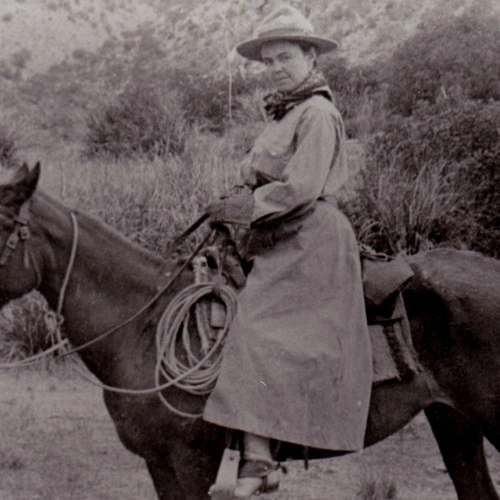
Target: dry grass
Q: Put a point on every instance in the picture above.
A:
(401, 212)
(377, 488)
(149, 201)
(58, 443)
(23, 327)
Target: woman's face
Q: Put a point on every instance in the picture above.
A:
(288, 65)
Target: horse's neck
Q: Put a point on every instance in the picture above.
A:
(111, 277)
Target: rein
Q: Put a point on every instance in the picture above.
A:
(146, 306)
(198, 376)
(55, 319)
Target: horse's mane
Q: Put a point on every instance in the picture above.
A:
(96, 226)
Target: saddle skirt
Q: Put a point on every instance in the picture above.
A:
(394, 356)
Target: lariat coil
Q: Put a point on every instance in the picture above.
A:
(193, 361)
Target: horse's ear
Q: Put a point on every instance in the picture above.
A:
(22, 172)
(23, 187)
(31, 179)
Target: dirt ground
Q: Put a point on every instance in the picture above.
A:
(58, 443)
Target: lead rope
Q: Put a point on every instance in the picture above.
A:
(54, 320)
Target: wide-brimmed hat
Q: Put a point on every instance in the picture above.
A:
(284, 24)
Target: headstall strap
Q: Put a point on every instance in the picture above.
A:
(21, 232)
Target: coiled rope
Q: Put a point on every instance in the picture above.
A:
(193, 363)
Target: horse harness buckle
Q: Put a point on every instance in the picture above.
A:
(12, 241)
(21, 232)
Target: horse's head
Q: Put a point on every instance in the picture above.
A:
(18, 271)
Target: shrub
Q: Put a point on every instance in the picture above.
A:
(432, 179)
(204, 97)
(23, 328)
(353, 88)
(447, 57)
(8, 146)
(395, 210)
(210, 99)
(372, 488)
(142, 121)
(450, 129)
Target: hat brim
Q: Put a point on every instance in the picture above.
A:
(251, 48)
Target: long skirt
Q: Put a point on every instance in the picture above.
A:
(297, 363)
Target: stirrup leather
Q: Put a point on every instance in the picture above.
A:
(223, 488)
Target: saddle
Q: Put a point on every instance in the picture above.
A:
(394, 356)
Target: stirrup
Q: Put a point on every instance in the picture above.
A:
(223, 488)
(266, 470)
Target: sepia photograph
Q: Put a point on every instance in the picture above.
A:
(250, 249)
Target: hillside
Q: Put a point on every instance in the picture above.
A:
(61, 59)
(36, 34)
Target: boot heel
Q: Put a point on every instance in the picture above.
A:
(270, 483)
(266, 471)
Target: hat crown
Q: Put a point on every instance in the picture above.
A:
(285, 20)
(284, 24)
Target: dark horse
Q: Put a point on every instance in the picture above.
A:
(452, 303)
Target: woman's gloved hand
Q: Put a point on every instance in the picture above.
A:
(232, 209)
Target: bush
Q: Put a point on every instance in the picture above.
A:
(24, 330)
(452, 130)
(432, 179)
(8, 146)
(353, 87)
(455, 56)
(142, 121)
(395, 211)
(210, 99)
(152, 116)
(204, 97)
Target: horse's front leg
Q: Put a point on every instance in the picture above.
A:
(165, 481)
(461, 445)
(184, 475)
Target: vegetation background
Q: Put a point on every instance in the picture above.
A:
(141, 112)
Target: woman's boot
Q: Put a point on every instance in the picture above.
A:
(258, 472)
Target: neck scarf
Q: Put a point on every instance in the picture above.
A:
(278, 104)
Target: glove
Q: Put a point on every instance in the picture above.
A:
(232, 209)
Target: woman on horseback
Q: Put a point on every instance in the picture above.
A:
(297, 362)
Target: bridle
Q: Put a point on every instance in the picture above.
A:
(20, 233)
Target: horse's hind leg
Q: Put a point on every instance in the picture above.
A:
(461, 445)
